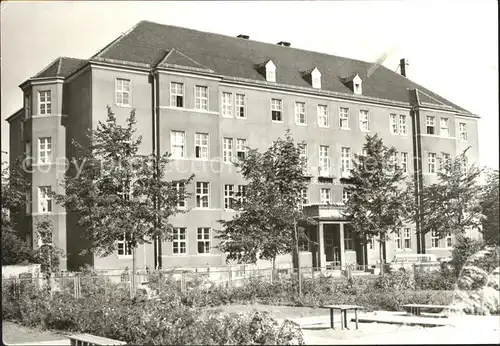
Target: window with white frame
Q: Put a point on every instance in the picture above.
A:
(344, 118)
(44, 102)
(201, 145)
(176, 94)
(227, 104)
(324, 160)
(346, 160)
(404, 162)
(227, 149)
(271, 75)
(241, 148)
(371, 243)
(202, 194)
(448, 240)
(445, 161)
(303, 157)
(123, 245)
(364, 121)
(203, 237)
(443, 128)
(276, 110)
(432, 163)
(241, 195)
(201, 98)
(345, 196)
(348, 239)
(393, 124)
(393, 162)
(397, 240)
(177, 144)
(434, 239)
(430, 123)
(325, 196)
(44, 150)
(305, 196)
(323, 116)
(45, 199)
(179, 241)
(122, 92)
(407, 238)
(228, 196)
(462, 132)
(181, 202)
(240, 106)
(403, 128)
(300, 113)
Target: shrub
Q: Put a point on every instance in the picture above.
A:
(443, 279)
(398, 280)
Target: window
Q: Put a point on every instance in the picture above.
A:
(179, 241)
(407, 238)
(271, 75)
(445, 161)
(204, 240)
(241, 148)
(44, 149)
(305, 196)
(444, 127)
(45, 102)
(371, 243)
(27, 149)
(345, 196)
(300, 113)
(303, 157)
(364, 123)
(181, 203)
(27, 107)
(45, 200)
(325, 196)
(201, 97)
(430, 123)
(177, 140)
(432, 162)
(393, 162)
(393, 124)
(323, 116)
(462, 132)
(404, 162)
(241, 193)
(397, 240)
(448, 240)
(201, 145)
(227, 105)
(344, 118)
(240, 106)
(122, 92)
(403, 129)
(176, 94)
(123, 245)
(346, 160)
(28, 202)
(227, 149)
(324, 160)
(202, 195)
(228, 196)
(276, 109)
(348, 239)
(434, 239)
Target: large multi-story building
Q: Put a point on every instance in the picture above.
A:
(205, 97)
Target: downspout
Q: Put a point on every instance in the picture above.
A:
(154, 125)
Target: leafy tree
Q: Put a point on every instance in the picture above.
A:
(452, 204)
(378, 203)
(490, 208)
(15, 185)
(118, 193)
(268, 222)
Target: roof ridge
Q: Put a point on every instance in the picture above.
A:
(185, 56)
(103, 50)
(423, 92)
(59, 66)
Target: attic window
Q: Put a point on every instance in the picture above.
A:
(316, 78)
(270, 71)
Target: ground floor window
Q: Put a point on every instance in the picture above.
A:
(124, 248)
(434, 239)
(203, 240)
(397, 240)
(348, 239)
(304, 242)
(407, 238)
(179, 241)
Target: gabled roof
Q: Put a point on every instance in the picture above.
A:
(61, 67)
(15, 115)
(174, 58)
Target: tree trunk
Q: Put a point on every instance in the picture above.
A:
(297, 261)
(133, 271)
(380, 253)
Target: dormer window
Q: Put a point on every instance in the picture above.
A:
(316, 78)
(354, 83)
(270, 71)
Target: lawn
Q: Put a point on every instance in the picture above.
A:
(13, 333)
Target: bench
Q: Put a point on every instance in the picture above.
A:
(92, 340)
(414, 309)
(343, 314)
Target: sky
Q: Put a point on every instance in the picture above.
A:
(451, 46)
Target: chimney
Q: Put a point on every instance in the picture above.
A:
(402, 66)
(246, 37)
(283, 43)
